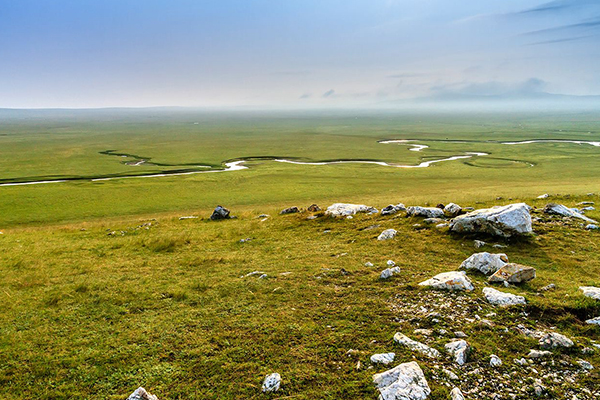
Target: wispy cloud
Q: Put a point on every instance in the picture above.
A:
(328, 93)
(554, 41)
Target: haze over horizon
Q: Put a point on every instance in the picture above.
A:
(128, 53)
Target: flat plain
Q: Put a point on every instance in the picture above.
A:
(104, 288)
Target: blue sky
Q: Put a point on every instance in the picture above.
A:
(109, 53)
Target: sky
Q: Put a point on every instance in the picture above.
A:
(292, 53)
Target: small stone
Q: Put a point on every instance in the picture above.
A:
(387, 234)
(344, 209)
(543, 196)
(591, 227)
(454, 280)
(548, 287)
(456, 394)
(538, 353)
(593, 321)
(451, 375)
(499, 298)
(271, 383)
(393, 209)
(389, 272)
(520, 361)
(314, 208)
(452, 210)
(426, 212)
(591, 291)
(459, 349)
(383, 358)
(495, 361)
(486, 263)
(141, 394)
(585, 365)
(478, 243)
(513, 273)
(538, 388)
(290, 210)
(368, 264)
(390, 263)
(460, 334)
(220, 213)
(416, 346)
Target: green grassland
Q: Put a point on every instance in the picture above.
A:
(94, 309)
(103, 288)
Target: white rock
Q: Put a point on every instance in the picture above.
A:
(585, 365)
(495, 361)
(368, 264)
(453, 280)
(478, 243)
(485, 262)
(593, 321)
(393, 209)
(403, 382)
(459, 349)
(390, 263)
(271, 383)
(426, 212)
(589, 208)
(383, 358)
(387, 234)
(452, 210)
(456, 394)
(141, 394)
(553, 340)
(513, 273)
(451, 375)
(543, 196)
(416, 346)
(559, 209)
(344, 209)
(505, 221)
(499, 298)
(538, 353)
(589, 227)
(591, 291)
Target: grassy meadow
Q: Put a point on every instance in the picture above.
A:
(105, 289)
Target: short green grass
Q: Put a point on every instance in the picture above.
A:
(96, 309)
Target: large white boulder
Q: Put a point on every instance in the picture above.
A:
(559, 209)
(459, 349)
(141, 394)
(453, 280)
(591, 291)
(426, 212)
(485, 262)
(505, 221)
(345, 209)
(404, 340)
(499, 298)
(403, 382)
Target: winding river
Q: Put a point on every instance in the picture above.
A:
(239, 164)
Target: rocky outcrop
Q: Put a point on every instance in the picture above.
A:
(403, 382)
(271, 383)
(141, 394)
(499, 298)
(559, 209)
(504, 221)
(404, 340)
(384, 358)
(591, 291)
(393, 209)
(513, 273)
(426, 212)
(290, 210)
(454, 280)
(459, 349)
(220, 213)
(344, 209)
(387, 234)
(451, 210)
(486, 263)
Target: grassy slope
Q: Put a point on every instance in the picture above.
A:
(87, 315)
